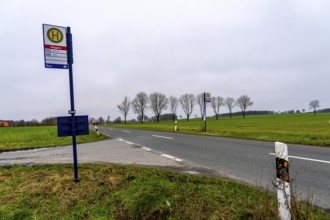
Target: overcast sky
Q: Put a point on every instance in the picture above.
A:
(275, 51)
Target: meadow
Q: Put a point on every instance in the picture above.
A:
(18, 138)
(304, 128)
(128, 192)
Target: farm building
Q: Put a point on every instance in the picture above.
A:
(4, 123)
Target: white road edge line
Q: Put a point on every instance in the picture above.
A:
(106, 134)
(163, 137)
(119, 139)
(146, 148)
(126, 131)
(171, 157)
(305, 158)
(130, 143)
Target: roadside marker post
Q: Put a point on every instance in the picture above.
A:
(283, 180)
(175, 125)
(58, 54)
(97, 131)
(207, 98)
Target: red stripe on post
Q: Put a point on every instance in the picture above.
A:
(55, 47)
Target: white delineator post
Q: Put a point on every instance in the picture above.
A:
(175, 126)
(282, 180)
(97, 131)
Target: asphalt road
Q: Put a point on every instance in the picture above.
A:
(248, 161)
(107, 151)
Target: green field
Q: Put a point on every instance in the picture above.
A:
(289, 128)
(17, 138)
(118, 192)
(127, 192)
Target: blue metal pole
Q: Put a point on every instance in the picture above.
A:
(204, 111)
(72, 111)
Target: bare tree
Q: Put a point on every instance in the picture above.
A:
(173, 105)
(230, 103)
(108, 120)
(200, 102)
(187, 102)
(314, 105)
(140, 104)
(124, 108)
(216, 102)
(158, 103)
(101, 120)
(244, 102)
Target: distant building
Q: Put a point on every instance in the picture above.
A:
(4, 123)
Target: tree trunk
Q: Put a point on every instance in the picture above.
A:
(125, 119)
(217, 116)
(157, 118)
(243, 113)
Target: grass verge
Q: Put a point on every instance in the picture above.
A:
(18, 138)
(127, 192)
(290, 128)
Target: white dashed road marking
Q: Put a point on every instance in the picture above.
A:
(163, 137)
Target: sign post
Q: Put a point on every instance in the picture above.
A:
(72, 110)
(282, 180)
(58, 54)
(207, 98)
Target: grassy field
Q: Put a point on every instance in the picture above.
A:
(289, 128)
(17, 138)
(118, 192)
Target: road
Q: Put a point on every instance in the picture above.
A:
(249, 161)
(111, 150)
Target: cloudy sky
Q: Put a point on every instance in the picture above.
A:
(275, 51)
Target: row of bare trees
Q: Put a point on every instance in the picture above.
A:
(158, 102)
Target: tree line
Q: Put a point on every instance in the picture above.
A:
(158, 103)
(34, 122)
